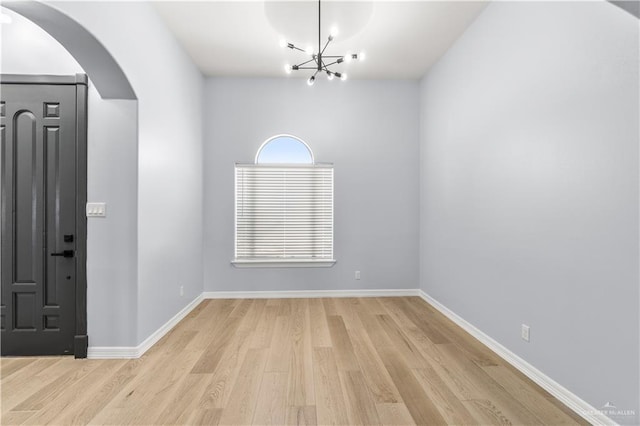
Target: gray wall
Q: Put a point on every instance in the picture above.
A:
(112, 256)
(368, 129)
(529, 189)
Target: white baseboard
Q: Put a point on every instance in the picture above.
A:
(113, 352)
(581, 407)
(308, 294)
(131, 352)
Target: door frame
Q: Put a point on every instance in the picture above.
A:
(81, 339)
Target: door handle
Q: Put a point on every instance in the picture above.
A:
(64, 253)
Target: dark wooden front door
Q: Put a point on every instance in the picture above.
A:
(41, 165)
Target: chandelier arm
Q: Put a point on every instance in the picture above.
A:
(333, 56)
(332, 63)
(306, 62)
(308, 68)
(297, 48)
(325, 46)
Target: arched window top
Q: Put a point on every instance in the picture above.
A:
(284, 149)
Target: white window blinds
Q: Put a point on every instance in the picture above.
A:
(284, 213)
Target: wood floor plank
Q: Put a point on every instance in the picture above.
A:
(205, 417)
(223, 379)
(16, 417)
(129, 406)
(424, 345)
(342, 347)
(361, 409)
(272, 399)
(30, 379)
(264, 330)
(394, 414)
(440, 329)
(330, 405)
(200, 313)
(458, 381)
(300, 379)
(347, 308)
(484, 389)
(214, 321)
(421, 407)
(244, 396)
(375, 374)
(410, 308)
(285, 307)
(242, 308)
(213, 353)
(280, 349)
(329, 307)
(397, 312)
(529, 396)
(302, 416)
(152, 385)
(87, 407)
(401, 342)
(487, 412)
(319, 327)
(76, 390)
(451, 408)
(39, 400)
(374, 331)
(371, 305)
(253, 315)
(8, 366)
(179, 408)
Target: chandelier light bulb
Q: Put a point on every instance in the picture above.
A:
(333, 32)
(329, 75)
(343, 77)
(309, 50)
(361, 56)
(282, 43)
(348, 57)
(288, 68)
(311, 80)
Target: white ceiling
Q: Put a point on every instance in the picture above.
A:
(401, 39)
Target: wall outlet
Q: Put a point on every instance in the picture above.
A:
(357, 275)
(181, 290)
(524, 332)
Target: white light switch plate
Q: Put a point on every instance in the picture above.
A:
(96, 209)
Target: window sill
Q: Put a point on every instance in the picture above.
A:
(288, 263)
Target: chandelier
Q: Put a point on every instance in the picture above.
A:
(319, 61)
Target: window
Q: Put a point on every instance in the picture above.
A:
(284, 207)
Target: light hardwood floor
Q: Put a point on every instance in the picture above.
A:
(369, 361)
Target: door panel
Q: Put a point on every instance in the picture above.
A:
(38, 193)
